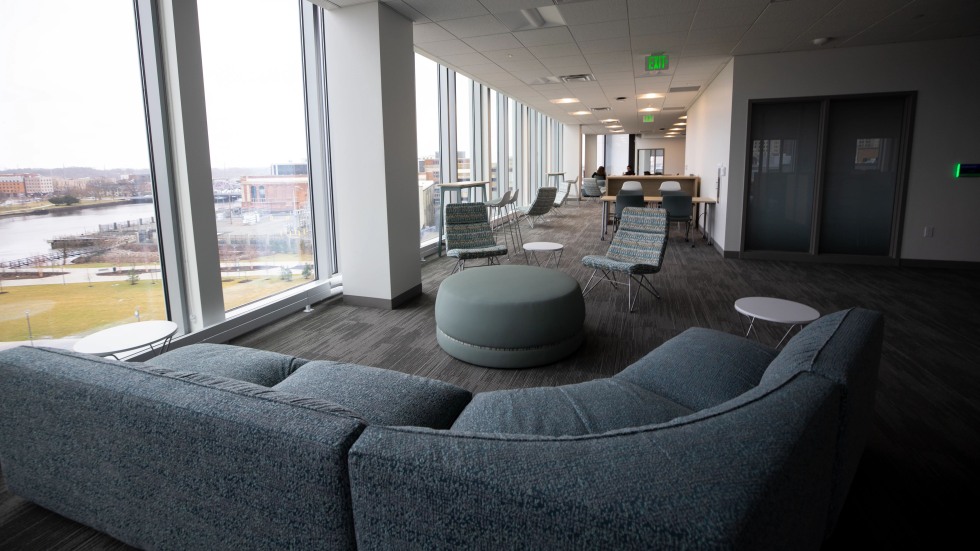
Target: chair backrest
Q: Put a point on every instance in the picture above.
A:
(515, 195)
(644, 220)
(642, 237)
(562, 194)
(590, 188)
(631, 185)
(467, 226)
(678, 207)
(544, 201)
(628, 200)
(670, 185)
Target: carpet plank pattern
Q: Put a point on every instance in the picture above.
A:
(924, 451)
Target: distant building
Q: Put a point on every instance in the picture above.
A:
(289, 169)
(275, 193)
(12, 184)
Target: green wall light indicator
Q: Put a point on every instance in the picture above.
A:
(647, 118)
(657, 62)
(967, 170)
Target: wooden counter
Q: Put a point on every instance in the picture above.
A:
(651, 184)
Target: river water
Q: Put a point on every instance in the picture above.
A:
(23, 236)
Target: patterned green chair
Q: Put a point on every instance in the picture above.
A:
(543, 203)
(468, 234)
(636, 250)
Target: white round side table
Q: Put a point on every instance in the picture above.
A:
(546, 247)
(129, 336)
(776, 310)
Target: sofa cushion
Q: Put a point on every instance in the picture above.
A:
(234, 362)
(701, 368)
(585, 408)
(380, 396)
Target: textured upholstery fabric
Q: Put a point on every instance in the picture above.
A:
(468, 233)
(543, 202)
(380, 396)
(590, 188)
(639, 245)
(753, 477)
(701, 368)
(845, 348)
(592, 407)
(168, 460)
(509, 316)
(234, 362)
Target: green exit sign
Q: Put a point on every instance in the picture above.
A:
(647, 118)
(656, 62)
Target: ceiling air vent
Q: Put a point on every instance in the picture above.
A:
(577, 78)
(685, 89)
(672, 109)
(599, 109)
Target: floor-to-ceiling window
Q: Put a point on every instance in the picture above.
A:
(464, 129)
(253, 78)
(79, 247)
(427, 134)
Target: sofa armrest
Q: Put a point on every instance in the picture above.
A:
(234, 362)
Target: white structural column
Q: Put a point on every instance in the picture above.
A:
(371, 97)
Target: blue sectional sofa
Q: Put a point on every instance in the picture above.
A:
(711, 440)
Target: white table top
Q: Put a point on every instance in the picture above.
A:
(543, 246)
(776, 309)
(126, 337)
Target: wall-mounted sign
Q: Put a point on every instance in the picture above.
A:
(647, 118)
(657, 62)
(967, 170)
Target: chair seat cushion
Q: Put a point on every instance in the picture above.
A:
(701, 368)
(233, 362)
(606, 263)
(480, 252)
(380, 396)
(592, 407)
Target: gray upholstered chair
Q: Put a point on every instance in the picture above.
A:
(468, 234)
(636, 250)
(670, 185)
(561, 196)
(543, 204)
(679, 207)
(625, 199)
(590, 188)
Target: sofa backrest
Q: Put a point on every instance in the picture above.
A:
(168, 459)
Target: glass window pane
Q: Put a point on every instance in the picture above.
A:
(427, 133)
(861, 175)
(79, 249)
(494, 133)
(253, 79)
(781, 183)
(464, 128)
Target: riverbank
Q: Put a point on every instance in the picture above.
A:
(43, 207)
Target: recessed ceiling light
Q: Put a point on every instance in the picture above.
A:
(620, 98)
(614, 126)
(649, 96)
(649, 110)
(609, 120)
(682, 117)
(581, 113)
(615, 129)
(565, 100)
(680, 124)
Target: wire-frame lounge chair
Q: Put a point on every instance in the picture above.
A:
(543, 203)
(468, 235)
(636, 250)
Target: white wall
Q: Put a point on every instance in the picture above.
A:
(591, 159)
(572, 152)
(674, 152)
(708, 145)
(946, 76)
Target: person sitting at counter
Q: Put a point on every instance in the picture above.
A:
(600, 173)
(629, 171)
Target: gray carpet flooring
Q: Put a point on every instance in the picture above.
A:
(923, 454)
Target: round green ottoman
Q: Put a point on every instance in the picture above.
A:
(509, 316)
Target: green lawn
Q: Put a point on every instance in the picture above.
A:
(78, 309)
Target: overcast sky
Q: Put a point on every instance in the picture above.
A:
(72, 96)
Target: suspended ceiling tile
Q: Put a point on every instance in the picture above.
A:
(605, 29)
(494, 42)
(650, 8)
(482, 25)
(661, 23)
(442, 10)
(430, 32)
(586, 13)
(447, 47)
(545, 37)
